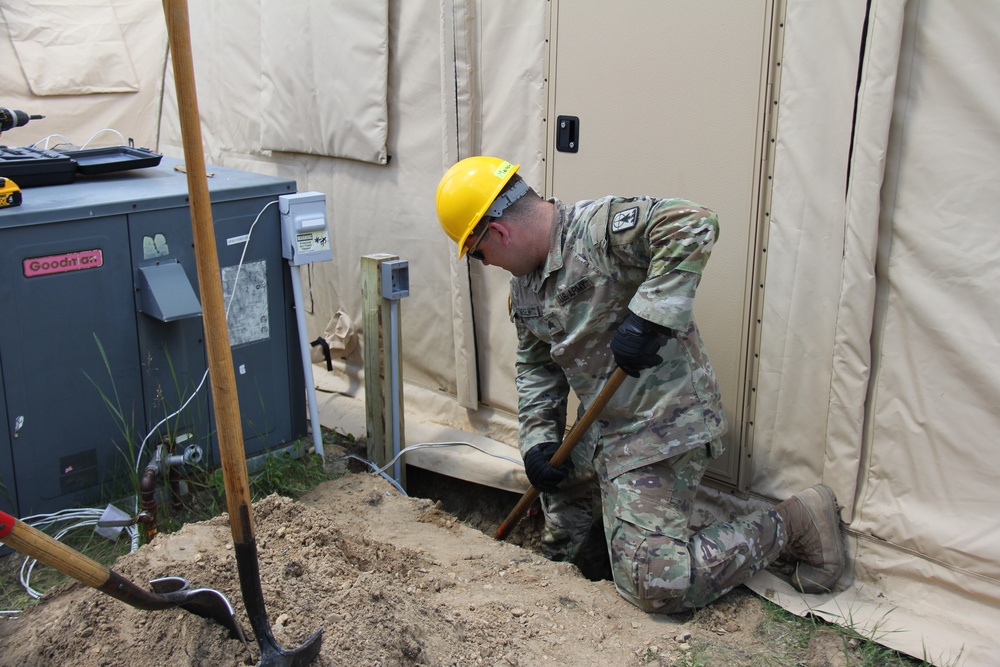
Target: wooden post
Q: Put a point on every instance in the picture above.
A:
(379, 392)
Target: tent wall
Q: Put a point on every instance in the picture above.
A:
(878, 359)
(463, 53)
(64, 68)
(877, 353)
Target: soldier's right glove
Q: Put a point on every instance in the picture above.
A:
(540, 472)
(636, 342)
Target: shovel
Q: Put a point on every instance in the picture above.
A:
(565, 449)
(169, 592)
(220, 357)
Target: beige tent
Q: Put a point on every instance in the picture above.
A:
(849, 147)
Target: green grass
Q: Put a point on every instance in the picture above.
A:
(778, 638)
(860, 651)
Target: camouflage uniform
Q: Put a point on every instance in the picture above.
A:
(573, 524)
(659, 432)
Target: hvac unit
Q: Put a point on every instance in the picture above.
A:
(101, 332)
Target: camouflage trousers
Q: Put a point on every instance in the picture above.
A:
(658, 562)
(574, 531)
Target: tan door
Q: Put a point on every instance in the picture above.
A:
(670, 98)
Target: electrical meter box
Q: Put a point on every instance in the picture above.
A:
(304, 235)
(101, 334)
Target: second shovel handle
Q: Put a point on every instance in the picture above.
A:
(565, 449)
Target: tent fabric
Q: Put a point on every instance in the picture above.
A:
(907, 424)
(878, 371)
(304, 108)
(70, 49)
(805, 241)
(852, 357)
(930, 484)
(75, 119)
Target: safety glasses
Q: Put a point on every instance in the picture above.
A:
(473, 250)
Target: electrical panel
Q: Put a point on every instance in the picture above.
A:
(102, 342)
(304, 236)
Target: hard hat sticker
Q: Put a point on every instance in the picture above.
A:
(70, 261)
(502, 170)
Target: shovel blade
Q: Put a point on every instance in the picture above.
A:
(205, 602)
(272, 655)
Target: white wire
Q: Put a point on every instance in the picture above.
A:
(85, 144)
(424, 445)
(95, 134)
(86, 517)
(46, 140)
(377, 471)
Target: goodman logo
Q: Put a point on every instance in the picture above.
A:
(70, 261)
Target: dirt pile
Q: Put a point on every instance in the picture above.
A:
(391, 580)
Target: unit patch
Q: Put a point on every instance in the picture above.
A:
(625, 220)
(573, 290)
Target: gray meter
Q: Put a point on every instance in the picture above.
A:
(304, 235)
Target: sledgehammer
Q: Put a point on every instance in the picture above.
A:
(220, 357)
(565, 449)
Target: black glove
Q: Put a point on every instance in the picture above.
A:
(540, 472)
(636, 342)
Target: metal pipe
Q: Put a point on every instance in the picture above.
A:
(147, 494)
(397, 465)
(304, 347)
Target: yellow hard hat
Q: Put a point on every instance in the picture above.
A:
(466, 192)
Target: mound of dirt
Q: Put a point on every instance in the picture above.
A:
(391, 580)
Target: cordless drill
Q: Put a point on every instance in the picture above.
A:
(15, 118)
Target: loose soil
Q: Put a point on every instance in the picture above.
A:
(391, 580)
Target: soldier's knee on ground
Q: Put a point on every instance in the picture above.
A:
(651, 571)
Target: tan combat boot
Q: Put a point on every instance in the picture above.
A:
(812, 525)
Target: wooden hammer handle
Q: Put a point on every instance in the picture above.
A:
(565, 449)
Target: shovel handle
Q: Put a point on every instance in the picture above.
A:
(222, 378)
(565, 449)
(47, 550)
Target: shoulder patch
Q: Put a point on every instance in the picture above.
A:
(626, 221)
(622, 221)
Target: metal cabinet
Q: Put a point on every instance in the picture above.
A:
(101, 337)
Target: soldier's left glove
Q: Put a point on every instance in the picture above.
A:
(636, 342)
(540, 472)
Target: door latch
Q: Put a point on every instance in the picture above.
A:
(567, 134)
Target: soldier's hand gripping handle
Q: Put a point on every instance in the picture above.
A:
(636, 343)
(542, 475)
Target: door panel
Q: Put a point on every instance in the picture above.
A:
(671, 98)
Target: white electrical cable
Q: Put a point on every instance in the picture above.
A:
(107, 129)
(376, 470)
(46, 140)
(424, 445)
(84, 517)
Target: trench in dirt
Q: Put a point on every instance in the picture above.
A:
(484, 508)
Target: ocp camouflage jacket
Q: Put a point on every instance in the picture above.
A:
(606, 257)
